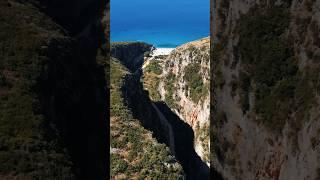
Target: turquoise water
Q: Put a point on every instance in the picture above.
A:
(163, 23)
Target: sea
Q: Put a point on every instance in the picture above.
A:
(162, 23)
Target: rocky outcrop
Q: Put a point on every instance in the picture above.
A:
(184, 85)
(131, 54)
(266, 98)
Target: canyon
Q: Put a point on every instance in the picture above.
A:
(156, 115)
(242, 104)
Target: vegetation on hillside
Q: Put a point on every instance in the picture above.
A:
(203, 133)
(170, 80)
(270, 68)
(29, 149)
(154, 67)
(151, 79)
(195, 88)
(134, 152)
(194, 82)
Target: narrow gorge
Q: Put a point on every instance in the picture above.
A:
(154, 114)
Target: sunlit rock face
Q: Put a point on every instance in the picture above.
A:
(181, 80)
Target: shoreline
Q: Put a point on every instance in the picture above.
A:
(161, 51)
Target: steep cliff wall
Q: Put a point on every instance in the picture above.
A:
(130, 54)
(181, 79)
(53, 104)
(266, 89)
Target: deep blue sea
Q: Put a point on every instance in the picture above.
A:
(163, 23)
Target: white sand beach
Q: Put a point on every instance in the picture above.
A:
(156, 52)
(162, 51)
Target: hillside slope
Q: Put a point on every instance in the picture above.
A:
(52, 105)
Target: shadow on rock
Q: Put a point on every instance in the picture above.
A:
(142, 109)
(194, 167)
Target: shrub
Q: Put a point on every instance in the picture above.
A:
(154, 67)
(194, 82)
(170, 85)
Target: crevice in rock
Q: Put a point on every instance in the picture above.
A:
(145, 111)
(193, 166)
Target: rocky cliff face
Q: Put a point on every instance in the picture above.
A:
(181, 79)
(130, 54)
(266, 89)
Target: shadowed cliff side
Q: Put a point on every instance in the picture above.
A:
(53, 102)
(131, 54)
(78, 107)
(76, 16)
(184, 142)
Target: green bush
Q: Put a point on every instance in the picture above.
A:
(169, 86)
(154, 67)
(151, 83)
(194, 82)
